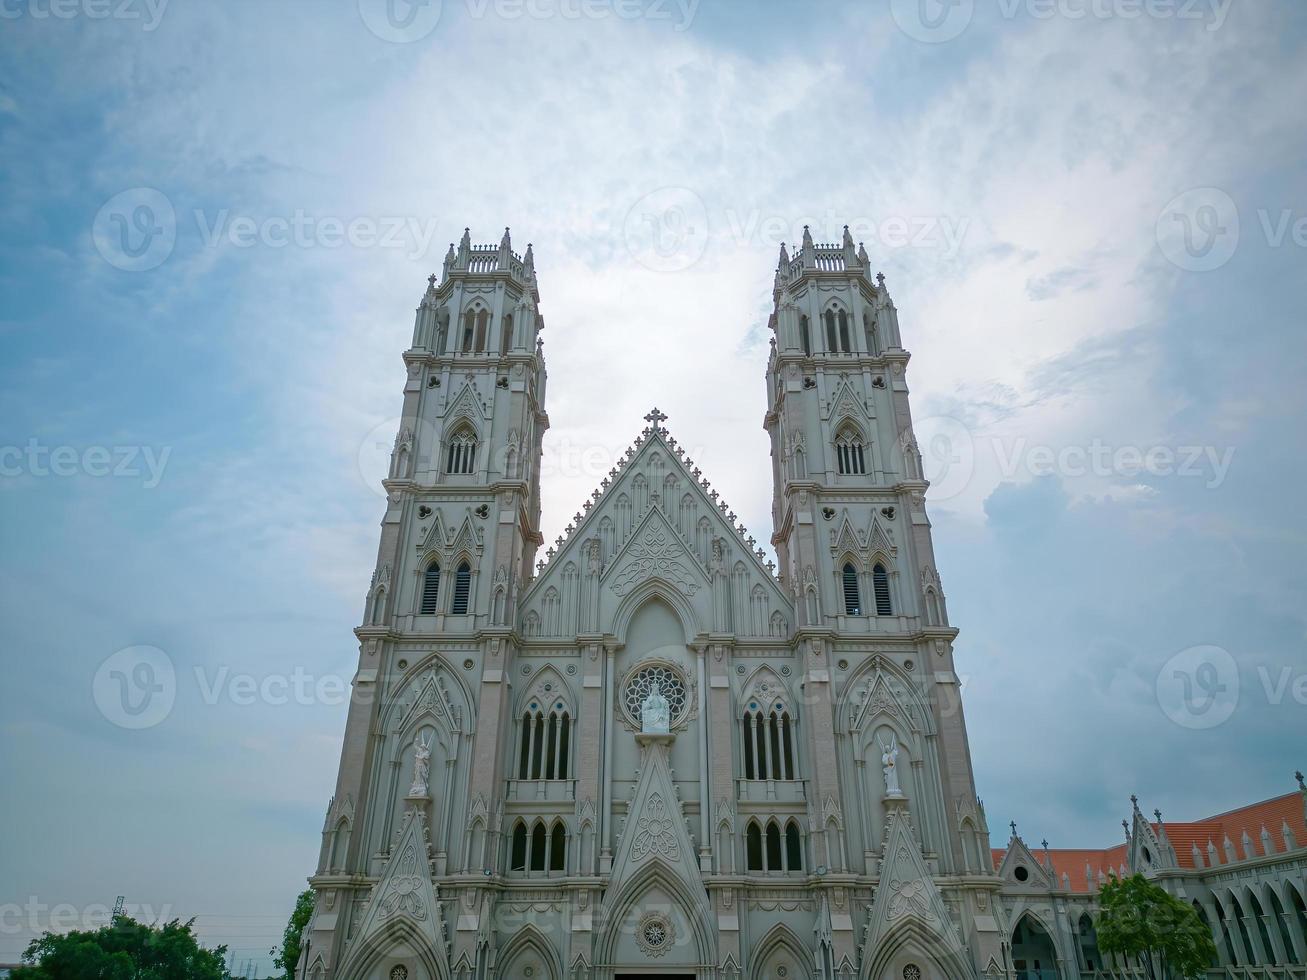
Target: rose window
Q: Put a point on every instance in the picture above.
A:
(399, 973)
(668, 679)
(654, 934)
(912, 972)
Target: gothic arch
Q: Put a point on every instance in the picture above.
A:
(529, 946)
(912, 941)
(560, 691)
(398, 941)
(779, 946)
(763, 678)
(1046, 937)
(859, 702)
(691, 903)
(655, 588)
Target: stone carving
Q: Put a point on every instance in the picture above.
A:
(654, 933)
(655, 713)
(421, 764)
(656, 554)
(889, 757)
(910, 897)
(653, 832)
(403, 892)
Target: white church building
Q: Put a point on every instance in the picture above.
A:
(647, 751)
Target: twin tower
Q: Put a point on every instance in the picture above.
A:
(811, 810)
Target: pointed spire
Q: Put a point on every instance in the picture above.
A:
(862, 255)
(450, 259)
(506, 242)
(529, 262)
(784, 259)
(1212, 859)
(1198, 856)
(807, 238)
(1268, 844)
(1290, 842)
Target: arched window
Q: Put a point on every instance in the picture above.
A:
(462, 456)
(483, 325)
(832, 344)
(793, 847)
(430, 589)
(768, 745)
(774, 860)
(849, 456)
(462, 584)
(843, 319)
(880, 586)
(507, 331)
(558, 848)
(469, 331)
(753, 847)
(517, 855)
(544, 747)
(852, 597)
(805, 336)
(538, 847)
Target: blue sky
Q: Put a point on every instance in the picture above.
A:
(1023, 172)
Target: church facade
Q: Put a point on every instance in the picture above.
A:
(647, 750)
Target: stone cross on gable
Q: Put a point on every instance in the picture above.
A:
(656, 417)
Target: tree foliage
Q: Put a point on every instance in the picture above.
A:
(289, 956)
(124, 950)
(1142, 920)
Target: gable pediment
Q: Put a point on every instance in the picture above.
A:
(656, 519)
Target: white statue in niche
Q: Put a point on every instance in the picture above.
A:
(655, 713)
(421, 764)
(889, 757)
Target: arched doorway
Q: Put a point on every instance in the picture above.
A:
(1034, 957)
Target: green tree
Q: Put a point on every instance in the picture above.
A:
(1140, 919)
(124, 950)
(290, 939)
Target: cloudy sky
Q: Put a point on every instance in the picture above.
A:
(218, 219)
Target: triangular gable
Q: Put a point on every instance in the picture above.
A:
(406, 894)
(1018, 855)
(890, 696)
(907, 895)
(466, 405)
(654, 832)
(845, 404)
(655, 550)
(630, 479)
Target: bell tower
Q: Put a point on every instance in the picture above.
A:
(853, 542)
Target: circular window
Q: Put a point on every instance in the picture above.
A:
(912, 972)
(1021, 874)
(654, 934)
(403, 664)
(399, 972)
(669, 681)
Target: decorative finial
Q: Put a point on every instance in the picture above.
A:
(656, 417)
(1134, 801)
(431, 280)
(1298, 776)
(1013, 825)
(1044, 843)
(1158, 814)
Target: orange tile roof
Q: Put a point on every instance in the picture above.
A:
(1272, 814)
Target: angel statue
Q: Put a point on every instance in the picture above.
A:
(421, 764)
(889, 757)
